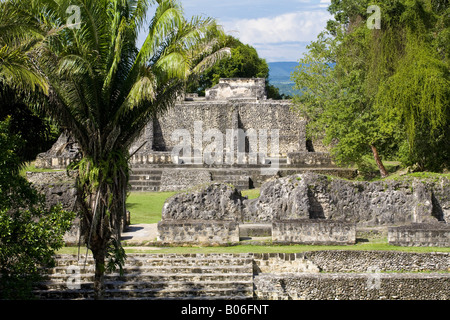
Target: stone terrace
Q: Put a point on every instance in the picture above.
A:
(326, 275)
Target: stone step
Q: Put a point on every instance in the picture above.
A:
(146, 171)
(166, 260)
(144, 189)
(145, 177)
(148, 294)
(191, 276)
(158, 269)
(237, 281)
(146, 183)
(200, 276)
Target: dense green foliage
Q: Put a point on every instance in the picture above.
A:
(30, 233)
(384, 92)
(19, 82)
(243, 62)
(37, 131)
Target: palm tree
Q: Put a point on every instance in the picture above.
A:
(18, 37)
(104, 90)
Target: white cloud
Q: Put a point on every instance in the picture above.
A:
(324, 3)
(296, 26)
(279, 52)
(281, 35)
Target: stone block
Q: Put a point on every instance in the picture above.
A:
(198, 232)
(310, 159)
(420, 235)
(313, 232)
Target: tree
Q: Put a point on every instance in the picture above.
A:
(18, 37)
(243, 62)
(20, 81)
(363, 91)
(104, 90)
(334, 102)
(415, 95)
(30, 233)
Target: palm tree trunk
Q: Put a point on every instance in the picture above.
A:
(104, 210)
(379, 163)
(99, 258)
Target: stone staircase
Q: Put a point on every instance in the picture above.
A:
(153, 277)
(145, 179)
(234, 177)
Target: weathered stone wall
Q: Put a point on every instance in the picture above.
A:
(227, 115)
(310, 159)
(380, 203)
(198, 232)
(313, 232)
(207, 215)
(63, 152)
(352, 275)
(178, 179)
(425, 235)
(152, 158)
(59, 188)
(214, 202)
(238, 88)
(274, 115)
(352, 286)
(342, 261)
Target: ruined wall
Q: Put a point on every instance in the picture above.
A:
(232, 105)
(198, 232)
(214, 202)
(227, 115)
(352, 286)
(343, 261)
(425, 235)
(379, 203)
(313, 232)
(238, 88)
(351, 275)
(178, 179)
(59, 188)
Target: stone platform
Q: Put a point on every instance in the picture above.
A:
(313, 275)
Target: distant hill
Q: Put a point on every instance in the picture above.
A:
(280, 76)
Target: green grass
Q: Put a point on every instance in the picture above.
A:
(30, 167)
(252, 194)
(146, 207)
(365, 246)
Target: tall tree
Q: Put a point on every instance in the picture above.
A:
(243, 62)
(104, 90)
(377, 91)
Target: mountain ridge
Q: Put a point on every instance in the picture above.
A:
(280, 76)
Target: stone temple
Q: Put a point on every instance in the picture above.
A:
(232, 135)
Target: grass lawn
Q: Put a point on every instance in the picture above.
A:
(146, 207)
(364, 246)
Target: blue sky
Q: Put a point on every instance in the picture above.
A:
(278, 29)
